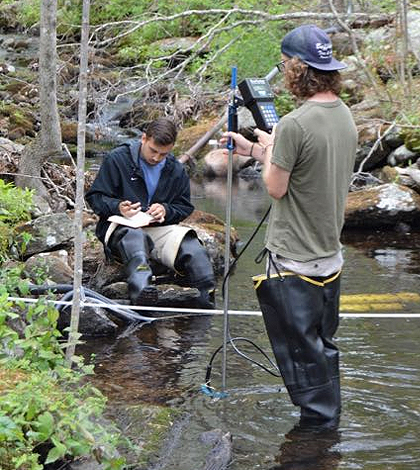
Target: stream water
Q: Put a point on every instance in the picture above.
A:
(164, 363)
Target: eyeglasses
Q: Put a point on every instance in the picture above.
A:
(281, 65)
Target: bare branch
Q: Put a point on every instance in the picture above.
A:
(355, 47)
(376, 144)
(136, 25)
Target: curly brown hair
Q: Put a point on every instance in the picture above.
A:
(304, 81)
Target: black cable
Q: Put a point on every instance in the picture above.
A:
(253, 234)
(232, 340)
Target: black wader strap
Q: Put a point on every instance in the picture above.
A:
(261, 255)
(271, 262)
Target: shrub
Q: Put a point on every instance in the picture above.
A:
(47, 411)
(15, 208)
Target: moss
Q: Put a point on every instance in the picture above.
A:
(149, 426)
(19, 118)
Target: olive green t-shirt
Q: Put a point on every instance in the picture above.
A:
(316, 143)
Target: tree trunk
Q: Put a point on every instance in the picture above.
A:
(80, 180)
(48, 142)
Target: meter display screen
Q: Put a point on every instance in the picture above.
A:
(260, 89)
(259, 99)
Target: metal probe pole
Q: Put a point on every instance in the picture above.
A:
(230, 146)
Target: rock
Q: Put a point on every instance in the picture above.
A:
(9, 17)
(10, 147)
(108, 278)
(221, 454)
(54, 266)
(368, 136)
(41, 206)
(211, 231)
(116, 290)
(7, 68)
(93, 322)
(107, 273)
(385, 205)
(413, 22)
(216, 163)
(85, 464)
(409, 176)
(401, 155)
(376, 157)
(48, 232)
(353, 90)
(394, 138)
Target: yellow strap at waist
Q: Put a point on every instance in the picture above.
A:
(262, 277)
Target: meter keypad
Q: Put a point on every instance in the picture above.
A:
(269, 113)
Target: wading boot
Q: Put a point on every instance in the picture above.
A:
(133, 246)
(193, 260)
(300, 318)
(139, 278)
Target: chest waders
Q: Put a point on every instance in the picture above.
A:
(301, 316)
(134, 247)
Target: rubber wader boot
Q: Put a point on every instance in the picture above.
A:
(193, 260)
(133, 246)
(301, 318)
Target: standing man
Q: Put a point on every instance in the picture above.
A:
(143, 175)
(308, 162)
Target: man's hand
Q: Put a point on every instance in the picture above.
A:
(157, 211)
(128, 208)
(264, 138)
(242, 145)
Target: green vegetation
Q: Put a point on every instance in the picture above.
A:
(15, 207)
(47, 411)
(251, 45)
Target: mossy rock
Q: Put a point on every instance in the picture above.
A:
(188, 136)
(146, 427)
(19, 118)
(412, 140)
(8, 17)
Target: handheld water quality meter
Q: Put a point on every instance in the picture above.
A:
(259, 99)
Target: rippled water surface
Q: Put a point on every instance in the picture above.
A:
(165, 363)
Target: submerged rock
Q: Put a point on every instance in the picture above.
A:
(220, 455)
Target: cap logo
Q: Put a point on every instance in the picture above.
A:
(324, 50)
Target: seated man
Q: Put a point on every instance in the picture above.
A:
(143, 175)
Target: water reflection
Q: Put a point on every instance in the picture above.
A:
(145, 363)
(309, 449)
(249, 198)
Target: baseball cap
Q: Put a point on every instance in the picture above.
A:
(313, 46)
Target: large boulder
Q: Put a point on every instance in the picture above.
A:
(52, 266)
(386, 205)
(93, 322)
(48, 232)
(216, 163)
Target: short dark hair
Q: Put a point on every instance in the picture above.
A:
(162, 130)
(304, 81)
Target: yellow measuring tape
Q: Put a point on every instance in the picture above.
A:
(357, 302)
(378, 302)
